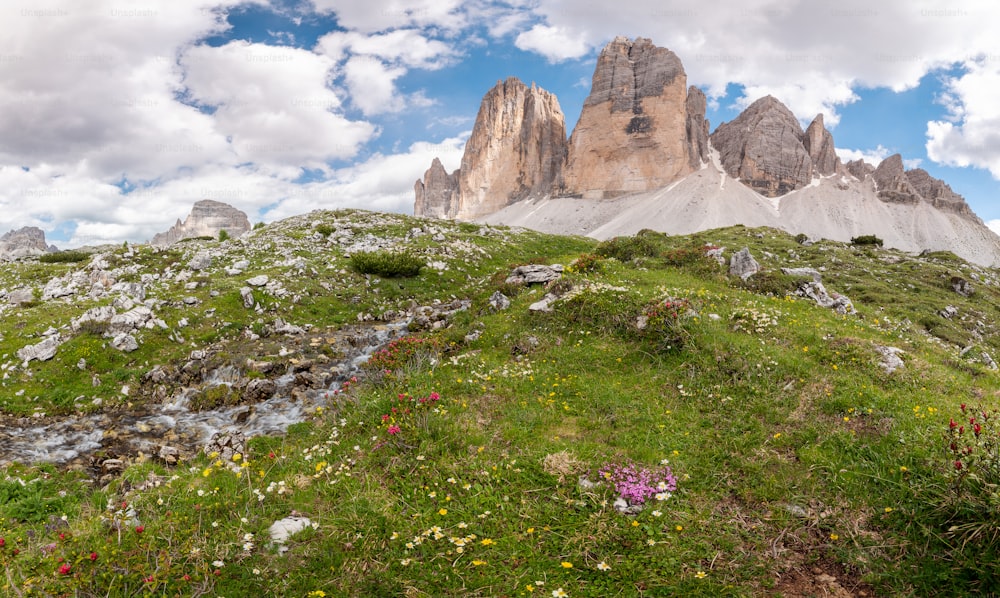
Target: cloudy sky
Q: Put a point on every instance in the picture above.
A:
(117, 115)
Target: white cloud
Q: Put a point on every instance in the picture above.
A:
(994, 225)
(872, 156)
(273, 104)
(554, 43)
(810, 56)
(372, 85)
(971, 134)
(381, 15)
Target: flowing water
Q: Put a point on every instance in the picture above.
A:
(172, 423)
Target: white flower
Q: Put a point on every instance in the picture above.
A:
(218, 564)
(602, 566)
(657, 513)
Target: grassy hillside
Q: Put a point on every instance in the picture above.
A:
(764, 448)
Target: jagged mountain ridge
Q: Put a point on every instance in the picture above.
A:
(642, 134)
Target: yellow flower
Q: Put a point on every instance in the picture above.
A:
(834, 537)
(477, 563)
(701, 575)
(529, 587)
(566, 565)
(635, 523)
(487, 542)
(442, 511)
(888, 509)
(679, 528)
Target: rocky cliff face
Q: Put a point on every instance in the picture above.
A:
(517, 150)
(763, 148)
(819, 145)
(207, 219)
(437, 193)
(633, 130)
(697, 128)
(23, 242)
(894, 184)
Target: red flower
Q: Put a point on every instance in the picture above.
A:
(93, 556)
(963, 407)
(2, 541)
(186, 577)
(958, 465)
(952, 424)
(149, 579)
(977, 429)
(139, 529)
(271, 455)
(393, 430)
(65, 568)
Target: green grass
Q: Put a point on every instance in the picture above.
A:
(793, 450)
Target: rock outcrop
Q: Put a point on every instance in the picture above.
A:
(437, 193)
(207, 219)
(633, 130)
(891, 182)
(23, 242)
(517, 150)
(818, 142)
(938, 193)
(762, 147)
(697, 127)
(895, 184)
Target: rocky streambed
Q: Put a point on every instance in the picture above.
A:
(173, 428)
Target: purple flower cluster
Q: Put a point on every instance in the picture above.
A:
(637, 484)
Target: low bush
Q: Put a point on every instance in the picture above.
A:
(60, 257)
(387, 264)
(626, 249)
(866, 240)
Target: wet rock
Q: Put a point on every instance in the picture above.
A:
(169, 455)
(259, 390)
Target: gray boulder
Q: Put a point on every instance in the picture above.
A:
(743, 264)
(42, 351)
(817, 292)
(534, 274)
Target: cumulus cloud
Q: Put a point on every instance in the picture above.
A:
(555, 43)
(372, 17)
(273, 104)
(872, 156)
(971, 134)
(809, 56)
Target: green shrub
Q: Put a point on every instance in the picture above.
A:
(398, 359)
(223, 235)
(215, 396)
(60, 257)
(866, 240)
(801, 238)
(665, 324)
(387, 264)
(626, 249)
(324, 229)
(600, 308)
(771, 283)
(586, 263)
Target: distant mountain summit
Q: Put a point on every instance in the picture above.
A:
(207, 219)
(24, 242)
(641, 156)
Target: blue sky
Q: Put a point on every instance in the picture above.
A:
(117, 115)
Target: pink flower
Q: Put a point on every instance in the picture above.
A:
(139, 529)
(64, 569)
(393, 430)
